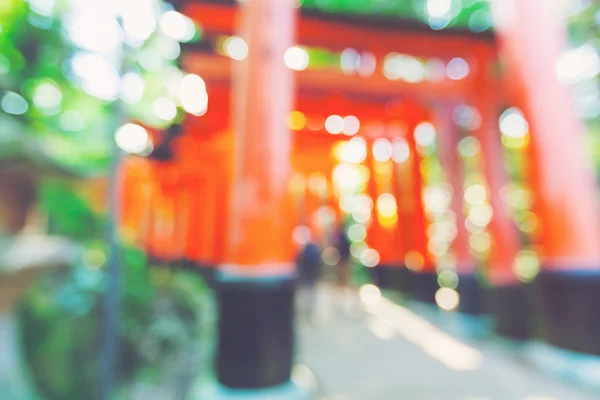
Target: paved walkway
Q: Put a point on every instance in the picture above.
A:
(386, 352)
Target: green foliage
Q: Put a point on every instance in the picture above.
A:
(584, 29)
(473, 14)
(69, 214)
(163, 314)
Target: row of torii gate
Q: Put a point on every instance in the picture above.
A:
(246, 173)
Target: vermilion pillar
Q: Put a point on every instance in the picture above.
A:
(533, 37)
(505, 244)
(571, 217)
(423, 282)
(511, 304)
(255, 282)
(383, 232)
(448, 138)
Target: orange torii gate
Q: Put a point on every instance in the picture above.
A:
(207, 174)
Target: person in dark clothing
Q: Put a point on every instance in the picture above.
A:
(308, 264)
(343, 267)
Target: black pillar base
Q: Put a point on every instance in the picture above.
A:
(512, 308)
(394, 277)
(256, 332)
(568, 302)
(423, 286)
(472, 295)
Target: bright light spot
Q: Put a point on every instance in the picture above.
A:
(448, 279)
(334, 124)
(414, 260)
(356, 249)
(401, 66)
(351, 125)
(469, 146)
(355, 151)
(147, 150)
(513, 124)
(529, 222)
(296, 58)
(480, 242)
(296, 121)
(148, 59)
(192, 94)
(350, 60)
(435, 70)
(382, 150)
(386, 205)
(369, 257)
(348, 203)
(369, 294)
(139, 20)
(439, 8)
(527, 265)
(578, 64)
(165, 109)
(357, 233)
(41, 7)
(439, 23)
(481, 215)
(302, 376)
(93, 33)
(331, 256)
(47, 97)
(457, 69)
(381, 328)
(98, 77)
(301, 235)
(475, 195)
(436, 199)
(177, 26)
(347, 178)
(437, 246)
(448, 299)
(400, 150)
(13, 103)
(168, 48)
(467, 117)
(480, 21)
(132, 138)
(368, 64)
(236, 48)
(132, 87)
(425, 134)
(361, 215)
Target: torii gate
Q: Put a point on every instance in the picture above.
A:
(259, 261)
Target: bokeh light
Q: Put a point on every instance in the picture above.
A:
(447, 299)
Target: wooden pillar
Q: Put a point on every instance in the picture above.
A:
(423, 282)
(448, 139)
(567, 189)
(417, 258)
(505, 239)
(533, 36)
(255, 282)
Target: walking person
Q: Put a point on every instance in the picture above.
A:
(308, 264)
(343, 269)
